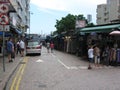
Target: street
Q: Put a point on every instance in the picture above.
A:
(62, 71)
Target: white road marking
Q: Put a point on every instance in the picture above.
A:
(53, 55)
(39, 60)
(83, 67)
(71, 67)
(60, 61)
(63, 64)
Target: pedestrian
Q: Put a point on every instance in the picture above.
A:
(48, 46)
(10, 49)
(18, 48)
(13, 53)
(90, 56)
(105, 55)
(96, 52)
(52, 47)
(22, 47)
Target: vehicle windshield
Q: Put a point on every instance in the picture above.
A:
(33, 43)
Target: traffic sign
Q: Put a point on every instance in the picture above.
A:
(4, 19)
(4, 1)
(4, 8)
(6, 28)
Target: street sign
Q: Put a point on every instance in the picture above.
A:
(4, 1)
(6, 28)
(4, 8)
(4, 19)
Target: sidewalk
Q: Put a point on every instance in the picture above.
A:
(9, 69)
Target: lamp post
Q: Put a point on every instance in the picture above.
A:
(30, 22)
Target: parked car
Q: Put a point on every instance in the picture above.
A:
(33, 47)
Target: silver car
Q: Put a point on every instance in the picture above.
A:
(33, 47)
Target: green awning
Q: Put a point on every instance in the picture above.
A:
(100, 29)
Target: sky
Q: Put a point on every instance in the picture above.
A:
(44, 13)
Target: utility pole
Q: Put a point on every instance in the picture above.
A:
(4, 20)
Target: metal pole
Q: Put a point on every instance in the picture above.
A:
(29, 24)
(3, 49)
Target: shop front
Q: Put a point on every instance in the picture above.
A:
(12, 33)
(7, 34)
(99, 35)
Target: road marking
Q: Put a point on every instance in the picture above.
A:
(83, 67)
(18, 76)
(70, 67)
(39, 60)
(73, 67)
(60, 61)
(63, 64)
(15, 79)
(53, 55)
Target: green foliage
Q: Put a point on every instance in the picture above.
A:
(68, 23)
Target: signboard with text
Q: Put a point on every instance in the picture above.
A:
(80, 24)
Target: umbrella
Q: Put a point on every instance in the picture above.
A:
(115, 33)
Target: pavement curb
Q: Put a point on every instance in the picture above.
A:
(6, 79)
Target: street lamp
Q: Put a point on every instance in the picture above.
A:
(29, 22)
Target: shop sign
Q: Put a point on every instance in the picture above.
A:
(80, 23)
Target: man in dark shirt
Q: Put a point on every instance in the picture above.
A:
(10, 48)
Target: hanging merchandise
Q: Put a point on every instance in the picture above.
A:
(118, 55)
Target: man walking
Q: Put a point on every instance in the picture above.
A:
(22, 47)
(10, 49)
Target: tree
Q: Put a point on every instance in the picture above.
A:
(67, 23)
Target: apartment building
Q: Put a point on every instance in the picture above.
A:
(20, 17)
(102, 14)
(109, 12)
(113, 9)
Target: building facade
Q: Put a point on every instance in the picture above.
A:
(102, 14)
(109, 12)
(18, 19)
(20, 16)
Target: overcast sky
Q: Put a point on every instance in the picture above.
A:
(44, 13)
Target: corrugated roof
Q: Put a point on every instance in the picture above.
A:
(106, 28)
